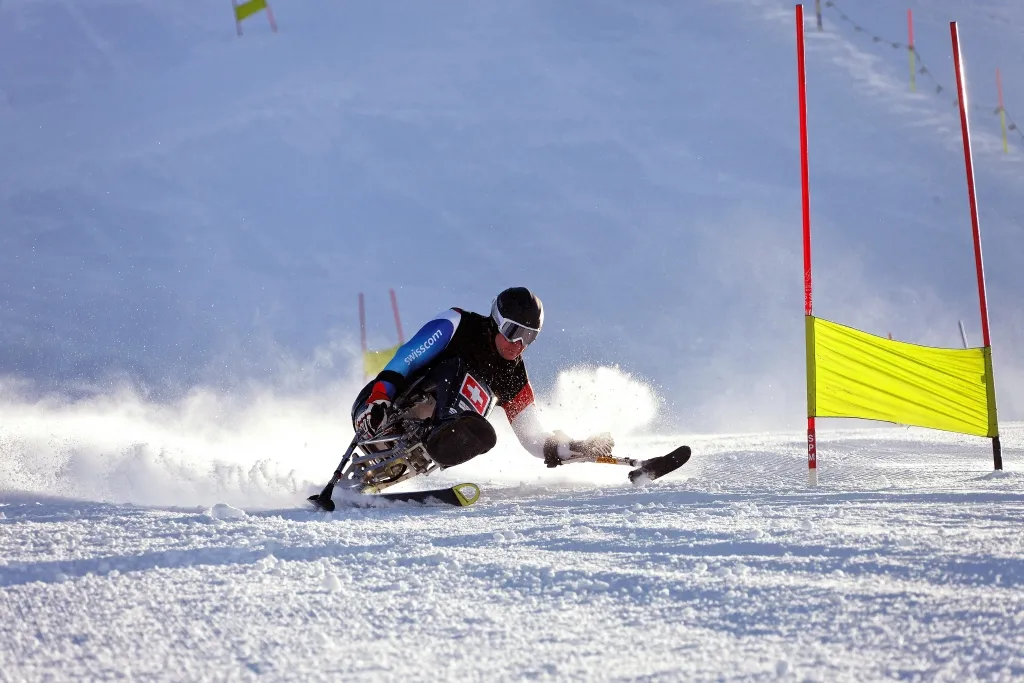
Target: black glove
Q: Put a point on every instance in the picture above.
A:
(551, 458)
(593, 447)
(371, 417)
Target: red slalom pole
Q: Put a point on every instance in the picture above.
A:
(270, 18)
(961, 92)
(362, 323)
(362, 333)
(910, 49)
(398, 320)
(804, 164)
(812, 448)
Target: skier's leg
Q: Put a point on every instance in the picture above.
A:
(457, 435)
(458, 439)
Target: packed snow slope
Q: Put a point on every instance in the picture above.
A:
(906, 563)
(185, 207)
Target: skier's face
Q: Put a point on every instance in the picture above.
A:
(506, 349)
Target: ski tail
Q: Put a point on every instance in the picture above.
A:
(655, 468)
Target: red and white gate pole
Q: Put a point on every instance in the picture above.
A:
(362, 323)
(812, 447)
(398, 319)
(961, 91)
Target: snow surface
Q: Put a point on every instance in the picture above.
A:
(907, 563)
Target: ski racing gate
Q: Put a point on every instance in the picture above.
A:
(851, 373)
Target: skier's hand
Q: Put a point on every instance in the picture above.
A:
(593, 447)
(372, 417)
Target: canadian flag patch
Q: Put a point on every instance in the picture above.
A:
(475, 394)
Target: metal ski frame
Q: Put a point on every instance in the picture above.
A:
(386, 458)
(414, 455)
(401, 450)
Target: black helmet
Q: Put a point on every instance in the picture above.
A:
(519, 314)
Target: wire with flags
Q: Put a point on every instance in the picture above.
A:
(921, 68)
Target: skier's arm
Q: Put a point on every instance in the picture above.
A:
(415, 354)
(553, 447)
(522, 415)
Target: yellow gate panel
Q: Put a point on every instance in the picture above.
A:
(855, 374)
(374, 361)
(247, 9)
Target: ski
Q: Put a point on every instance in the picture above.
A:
(658, 467)
(460, 495)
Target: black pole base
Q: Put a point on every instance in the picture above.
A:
(323, 499)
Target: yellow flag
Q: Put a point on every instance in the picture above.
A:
(374, 361)
(855, 374)
(247, 9)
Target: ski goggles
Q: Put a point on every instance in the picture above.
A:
(511, 330)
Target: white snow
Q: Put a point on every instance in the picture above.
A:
(225, 511)
(730, 569)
